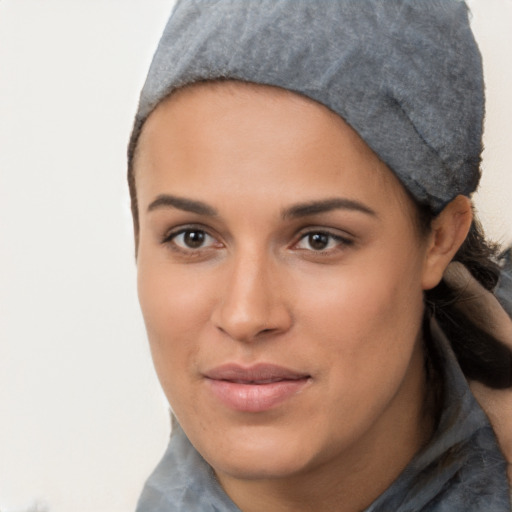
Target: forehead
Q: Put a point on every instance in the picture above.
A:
(251, 108)
(216, 131)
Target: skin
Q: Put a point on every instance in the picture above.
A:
(258, 289)
(497, 404)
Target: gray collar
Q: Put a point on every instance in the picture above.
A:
(460, 470)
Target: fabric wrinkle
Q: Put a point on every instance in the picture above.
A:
(351, 57)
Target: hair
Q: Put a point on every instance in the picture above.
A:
(481, 355)
(134, 204)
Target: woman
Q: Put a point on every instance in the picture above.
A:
(300, 174)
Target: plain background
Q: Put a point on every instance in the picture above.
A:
(82, 419)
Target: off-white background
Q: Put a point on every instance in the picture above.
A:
(82, 420)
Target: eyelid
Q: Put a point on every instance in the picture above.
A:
(170, 236)
(342, 240)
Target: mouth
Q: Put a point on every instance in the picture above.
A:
(254, 389)
(260, 381)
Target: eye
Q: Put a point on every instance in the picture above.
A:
(321, 241)
(191, 239)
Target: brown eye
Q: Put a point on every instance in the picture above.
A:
(318, 241)
(191, 239)
(194, 239)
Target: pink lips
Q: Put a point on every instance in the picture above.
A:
(254, 389)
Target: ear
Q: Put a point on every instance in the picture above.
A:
(449, 230)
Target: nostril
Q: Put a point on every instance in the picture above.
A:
(245, 333)
(248, 308)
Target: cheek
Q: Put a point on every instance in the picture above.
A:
(366, 295)
(368, 317)
(175, 311)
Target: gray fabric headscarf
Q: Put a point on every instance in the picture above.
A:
(405, 74)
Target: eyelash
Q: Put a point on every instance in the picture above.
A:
(338, 242)
(335, 241)
(170, 239)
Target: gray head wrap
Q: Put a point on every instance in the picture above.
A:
(405, 74)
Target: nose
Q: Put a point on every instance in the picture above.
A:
(252, 304)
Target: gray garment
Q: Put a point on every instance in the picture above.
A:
(405, 74)
(460, 470)
(504, 290)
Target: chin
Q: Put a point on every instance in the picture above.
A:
(263, 453)
(261, 466)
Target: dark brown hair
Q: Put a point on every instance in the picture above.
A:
(481, 355)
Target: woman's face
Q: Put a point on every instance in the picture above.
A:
(280, 277)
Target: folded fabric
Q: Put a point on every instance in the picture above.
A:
(405, 74)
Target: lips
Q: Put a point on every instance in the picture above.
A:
(256, 388)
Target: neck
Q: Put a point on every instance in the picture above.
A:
(353, 480)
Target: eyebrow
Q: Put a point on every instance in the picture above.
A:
(326, 205)
(182, 203)
(295, 211)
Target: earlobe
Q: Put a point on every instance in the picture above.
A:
(449, 230)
